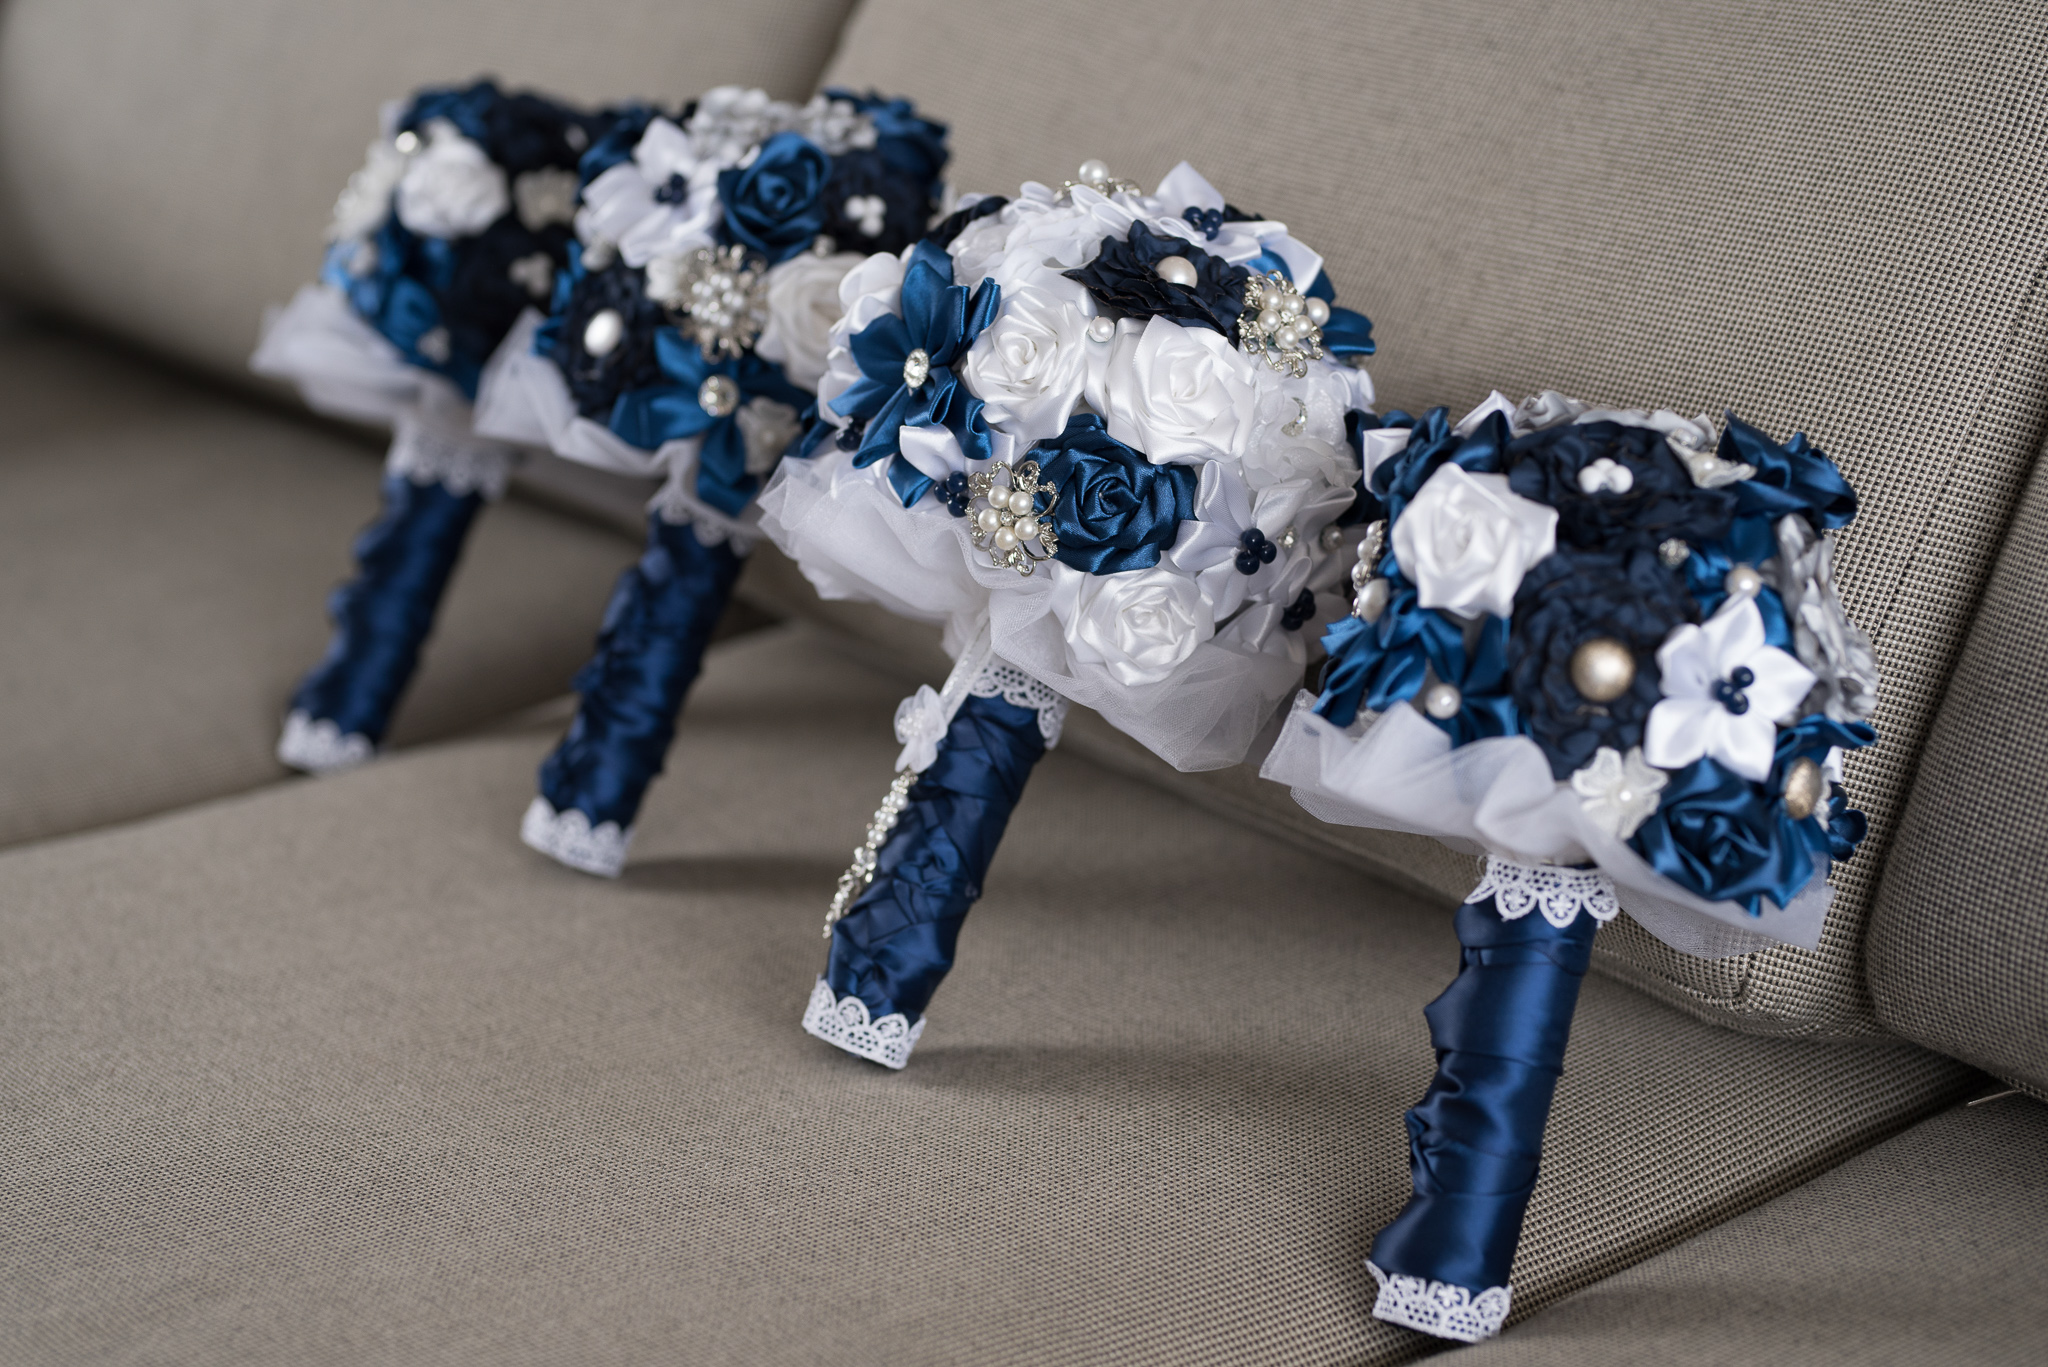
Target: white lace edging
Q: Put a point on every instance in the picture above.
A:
(675, 504)
(569, 838)
(1439, 1308)
(844, 1024)
(1000, 680)
(461, 464)
(319, 747)
(1559, 893)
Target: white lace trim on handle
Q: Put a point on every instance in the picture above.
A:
(1001, 680)
(676, 504)
(318, 747)
(843, 1023)
(569, 838)
(1560, 894)
(1439, 1308)
(460, 464)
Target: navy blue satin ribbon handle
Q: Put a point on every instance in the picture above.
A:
(896, 942)
(382, 616)
(661, 617)
(1475, 1138)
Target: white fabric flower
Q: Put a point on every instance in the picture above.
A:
(365, 202)
(767, 427)
(545, 197)
(869, 290)
(920, 725)
(1029, 365)
(620, 207)
(1618, 795)
(451, 187)
(1713, 711)
(731, 120)
(1175, 393)
(1466, 540)
(803, 304)
(1299, 429)
(1140, 625)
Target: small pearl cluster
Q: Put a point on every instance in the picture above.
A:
(1280, 325)
(721, 291)
(862, 871)
(1009, 523)
(1370, 593)
(1096, 177)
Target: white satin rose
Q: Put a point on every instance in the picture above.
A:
(803, 304)
(1466, 540)
(1175, 393)
(451, 187)
(1028, 366)
(1139, 625)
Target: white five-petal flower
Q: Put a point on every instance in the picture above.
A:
(1618, 794)
(1725, 690)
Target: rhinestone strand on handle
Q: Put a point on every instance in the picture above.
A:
(862, 871)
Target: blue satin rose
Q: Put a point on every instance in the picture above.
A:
(1116, 510)
(1379, 663)
(1725, 839)
(1431, 445)
(1793, 478)
(775, 205)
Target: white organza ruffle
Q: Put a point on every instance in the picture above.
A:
(346, 369)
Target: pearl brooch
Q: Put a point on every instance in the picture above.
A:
(1805, 788)
(917, 368)
(1602, 669)
(718, 395)
(721, 290)
(1277, 326)
(603, 333)
(1006, 517)
(1095, 175)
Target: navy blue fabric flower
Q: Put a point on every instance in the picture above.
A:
(1379, 663)
(520, 132)
(1661, 500)
(669, 411)
(952, 225)
(1573, 597)
(1432, 444)
(861, 180)
(940, 320)
(1116, 510)
(1750, 541)
(914, 145)
(1486, 705)
(596, 382)
(1793, 478)
(1836, 829)
(1124, 282)
(1726, 839)
(775, 205)
(618, 141)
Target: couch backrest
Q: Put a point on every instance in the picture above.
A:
(167, 166)
(1830, 217)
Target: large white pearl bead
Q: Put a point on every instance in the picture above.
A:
(1602, 669)
(1177, 270)
(1020, 501)
(1743, 582)
(1093, 172)
(1443, 701)
(603, 333)
(1027, 529)
(1006, 539)
(1318, 311)
(1101, 329)
(990, 520)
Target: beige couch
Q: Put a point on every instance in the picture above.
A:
(337, 1072)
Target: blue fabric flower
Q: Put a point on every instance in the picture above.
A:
(1661, 501)
(520, 132)
(648, 417)
(1793, 478)
(596, 382)
(1573, 597)
(1116, 510)
(1750, 541)
(1125, 282)
(1431, 444)
(940, 319)
(1379, 663)
(775, 205)
(861, 178)
(1726, 839)
(914, 145)
(1486, 706)
(1835, 830)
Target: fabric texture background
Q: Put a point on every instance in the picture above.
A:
(1831, 218)
(1918, 1251)
(1959, 939)
(165, 559)
(338, 1072)
(167, 169)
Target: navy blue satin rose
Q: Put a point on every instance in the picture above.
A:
(1793, 478)
(1431, 445)
(671, 410)
(1116, 510)
(940, 320)
(617, 142)
(1725, 839)
(775, 205)
(1125, 282)
(870, 206)
(1660, 502)
(1379, 663)
(596, 382)
(1573, 597)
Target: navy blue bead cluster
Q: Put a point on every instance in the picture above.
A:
(954, 491)
(674, 190)
(1297, 613)
(1728, 692)
(1257, 551)
(1210, 221)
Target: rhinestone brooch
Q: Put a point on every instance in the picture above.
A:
(1007, 508)
(721, 292)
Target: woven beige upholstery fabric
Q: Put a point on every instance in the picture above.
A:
(1959, 939)
(167, 168)
(1831, 217)
(1923, 1250)
(339, 1073)
(165, 559)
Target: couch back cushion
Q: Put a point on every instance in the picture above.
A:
(1959, 938)
(1828, 217)
(167, 169)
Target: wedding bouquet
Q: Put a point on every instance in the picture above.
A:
(1104, 439)
(685, 340)
(1604, 648)
(457, 222)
